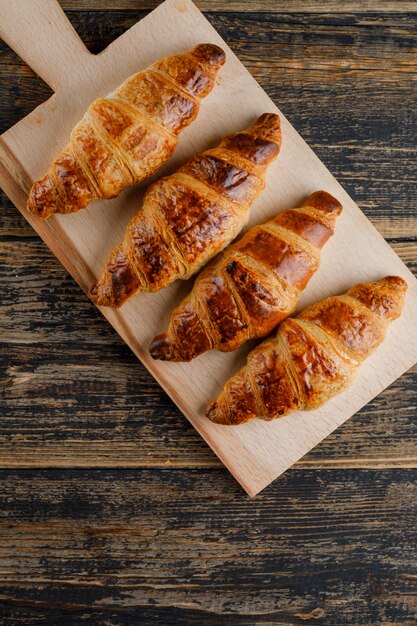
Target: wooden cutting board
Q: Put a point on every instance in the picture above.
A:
(257, 452)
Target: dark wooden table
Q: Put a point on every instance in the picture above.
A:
(113, 510)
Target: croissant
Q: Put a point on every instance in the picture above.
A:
(254, 284)
(312, 357)
(190, 216)
(125, 137)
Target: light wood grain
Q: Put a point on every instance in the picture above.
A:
(57, 65)
(258, 452)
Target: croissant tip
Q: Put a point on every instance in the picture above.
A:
(324, 201)
(37, 208)
(397, 281)
(162, 349)
(94, 294)
(99, 297)
(270, 121)
(210, 53)
(268, 127)
(216, 415)
(396, 284)
(211, 411)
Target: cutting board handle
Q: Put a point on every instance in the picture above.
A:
(41, 34)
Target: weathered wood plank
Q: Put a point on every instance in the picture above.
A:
(105, 547)
(43, 304)
(383, 182)
(157, 547)
(83, 400)
(40, 295)
(348, 85)
(68, 408)
(296, 62)
(277, 6)
(18, 145)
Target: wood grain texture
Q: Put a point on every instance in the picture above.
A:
(370, 147)
(46, 311)
(65, 410)
(317, 547)
(44, 305)
(163, 547)
(56, 65)
(258, 452)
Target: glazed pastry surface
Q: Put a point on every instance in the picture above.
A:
(312, 357)
(188, 217)
(253, 286)
(125, 137)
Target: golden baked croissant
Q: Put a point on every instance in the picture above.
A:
(190, 216)
(126, 136)
(313, 356)
(254, 284)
